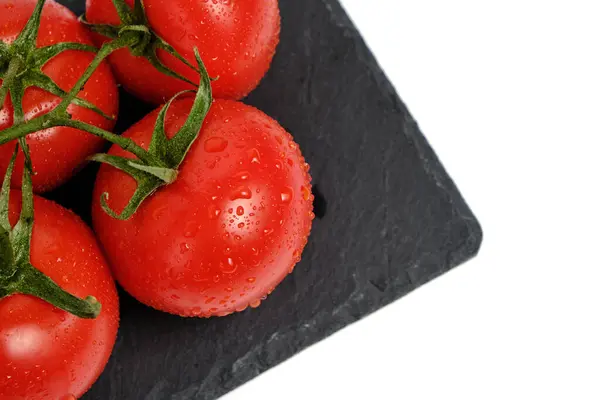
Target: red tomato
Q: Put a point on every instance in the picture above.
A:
(227, 231)
(56, 153)
(236, 39)
(47, 353)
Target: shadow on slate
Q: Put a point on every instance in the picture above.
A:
(390, 220)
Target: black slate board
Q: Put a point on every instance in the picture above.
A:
(390, 219)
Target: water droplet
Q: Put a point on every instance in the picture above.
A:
(243, 176)
(254, 156)
(241, 225)
(242, 192)
(287, 194)
(254, 251)
(175, 297)
(290, 162)
(305, 193)
(190, 229)
(229, 289)
(255, 303)
(229, 266)
(279, 139)
(158, 212)
(196, 311)
(251, 280)
(210, 300)
(293, 145)
(230, 211)
(278, 164)
(213, 211)
(184, 248)
(267, 232)
(240, 211)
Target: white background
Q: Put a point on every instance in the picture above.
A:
(508, 94)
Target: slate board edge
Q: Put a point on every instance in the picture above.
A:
(241, 371)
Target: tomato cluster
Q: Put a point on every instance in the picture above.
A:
(200, 209)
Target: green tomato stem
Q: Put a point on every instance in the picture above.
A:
(37, 284)
(14, 66)
(124, 41)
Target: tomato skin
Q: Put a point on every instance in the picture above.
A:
(47, 353)
(227, 231)
(58, 152)
(236, 40)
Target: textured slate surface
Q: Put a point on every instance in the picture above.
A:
(390, 220)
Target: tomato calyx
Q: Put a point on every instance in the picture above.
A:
(17, 274)
(164, 156)
(21, 66)
(152, 168)
(135, 22)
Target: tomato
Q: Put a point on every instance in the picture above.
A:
(227, 231)
(236, 40)
(58, 152)
(47, 353)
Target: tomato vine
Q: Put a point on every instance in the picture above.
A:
(20, 68)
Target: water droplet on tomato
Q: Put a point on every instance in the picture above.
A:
(229, 266)
(240, 211)
(213, 211)
(254, 156)
(287, 194)
(267, 232)
(305, 193)
(241, 225)
(196, 311)
(158, 212)
(229, 289)
(255, 303)
(190, 229)
(242, 192)
(297, 254)
(251, 280)
(210, 300)
(184, 248)
(175, 297)
(243, 176)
